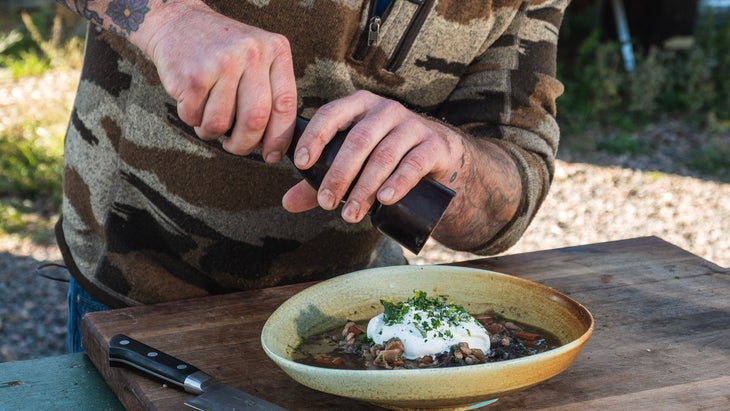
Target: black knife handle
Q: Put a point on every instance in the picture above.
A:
(124, 350)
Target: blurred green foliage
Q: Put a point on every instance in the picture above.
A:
(687, 84)
(30, 171)
(31, 149)
(30, 190)
(50, 37)
(623, 143)
(690, 82)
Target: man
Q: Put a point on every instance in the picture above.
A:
(174, 186)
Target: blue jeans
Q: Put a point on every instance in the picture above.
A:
(79, 303)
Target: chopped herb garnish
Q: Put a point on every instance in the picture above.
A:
(440, 313)
(392, 312)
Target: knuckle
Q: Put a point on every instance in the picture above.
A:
(187, 88)
(400, 180)
(173, 89)
(187, 116)
(358, 139)
(188, 113)
(192, 77)
(383, 157)
(320, 139)
(253, 51)
(256, 119)
(239, 143)
(285, 103)
(415, 122)
(364, 190)
(414, 163)
(364, 94)
(337, 181)
(327, 110)
(281, 43)
(216, 126)
(390, 106)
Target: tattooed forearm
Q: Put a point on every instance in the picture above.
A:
(121, 17)
(489, 193)
(127, 14)
(463, 160)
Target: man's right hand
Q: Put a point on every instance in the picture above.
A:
(223, 73)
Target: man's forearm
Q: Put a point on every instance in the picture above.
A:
(118, 16)
(127, 18)
(490, 193)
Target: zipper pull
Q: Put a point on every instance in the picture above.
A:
(373, 30)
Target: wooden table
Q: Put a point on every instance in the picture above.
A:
(662, 338)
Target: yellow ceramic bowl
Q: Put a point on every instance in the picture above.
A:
(356, 296)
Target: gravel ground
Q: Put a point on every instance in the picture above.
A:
(594, 198)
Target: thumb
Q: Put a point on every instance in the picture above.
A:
(301, 197)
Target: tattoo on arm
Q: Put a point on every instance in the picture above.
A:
(484, 196)
(125, 15)
(463, 160)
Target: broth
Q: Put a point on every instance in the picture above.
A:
(351, 349)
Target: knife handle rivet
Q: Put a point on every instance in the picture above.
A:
(124, 342)
(152, 354)
(182, 366)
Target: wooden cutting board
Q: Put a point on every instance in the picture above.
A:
(219, 334)
(661, 340)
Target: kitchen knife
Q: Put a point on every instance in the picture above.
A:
(214, 395)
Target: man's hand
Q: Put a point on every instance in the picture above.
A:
(394, 147)
(221, 72)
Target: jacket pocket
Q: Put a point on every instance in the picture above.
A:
(392, 32)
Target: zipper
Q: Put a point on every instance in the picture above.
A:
(406, 42)
(369, 37)
(373, 30)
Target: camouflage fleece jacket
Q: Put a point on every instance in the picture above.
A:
(152, 213)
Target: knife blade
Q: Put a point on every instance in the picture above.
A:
(212, 394)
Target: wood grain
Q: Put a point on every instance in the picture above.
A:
(662, 334)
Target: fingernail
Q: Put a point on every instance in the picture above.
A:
(326, 199)
(301, 158)
(273, 157)
(386, 194)
(351, 211)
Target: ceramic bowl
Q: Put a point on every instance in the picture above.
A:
(356, 296)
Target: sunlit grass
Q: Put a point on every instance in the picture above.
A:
(31, 163)
(39, 63)
(26, 64)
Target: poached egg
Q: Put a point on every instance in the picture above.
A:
(427, 326)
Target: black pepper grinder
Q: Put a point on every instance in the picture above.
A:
(410, 221)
